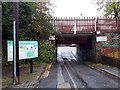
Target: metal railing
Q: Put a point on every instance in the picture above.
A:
(85, 24)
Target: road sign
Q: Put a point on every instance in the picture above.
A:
(27, 50)
(98, 32)
(101, 38)
(52, 38)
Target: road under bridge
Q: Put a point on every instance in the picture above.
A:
(86, 49)
(84, 31)
(71, 70)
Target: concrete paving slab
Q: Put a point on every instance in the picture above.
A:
(63, 85)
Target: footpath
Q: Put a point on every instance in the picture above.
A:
(27, 79)
(114, 71)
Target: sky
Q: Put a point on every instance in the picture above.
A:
(74, 8)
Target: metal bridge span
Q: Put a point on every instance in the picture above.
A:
(85, 24)
(83, 32)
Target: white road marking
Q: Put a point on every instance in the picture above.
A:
(61, 82)
(59, 74)
(74, 84)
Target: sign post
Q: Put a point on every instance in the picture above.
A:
(31, 66)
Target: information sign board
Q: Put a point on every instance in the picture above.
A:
(101, 38)
(27, 50)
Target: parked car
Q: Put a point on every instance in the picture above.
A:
(73, 45)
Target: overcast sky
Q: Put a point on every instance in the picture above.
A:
(74, 8)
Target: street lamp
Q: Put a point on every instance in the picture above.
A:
(15, 43)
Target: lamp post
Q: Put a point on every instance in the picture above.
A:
(15, 43)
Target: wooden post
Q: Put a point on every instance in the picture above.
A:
(31, 66)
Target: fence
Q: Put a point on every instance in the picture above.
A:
(85, 24)
(111, 51)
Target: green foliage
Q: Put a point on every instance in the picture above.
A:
(33, 25)
(7, 20)
(4, 54)
(46, 51)
(25, 11)
(33, 20)
(110, 8)
(39, 27)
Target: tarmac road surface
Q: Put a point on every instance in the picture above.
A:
(69, 73)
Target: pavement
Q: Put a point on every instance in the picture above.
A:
(43, 73)
(88, 77)
(104, 68)
(73, 74)
(50, 81)
(58, 78)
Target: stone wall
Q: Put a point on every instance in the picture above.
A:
(112, 39)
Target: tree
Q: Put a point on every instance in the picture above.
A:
(33, 24)
(25, 11)
(40, 27)
(33, 20)
(110, 8)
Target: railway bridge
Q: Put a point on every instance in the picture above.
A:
(97, 40)
(93, 36)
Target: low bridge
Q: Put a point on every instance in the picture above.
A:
(83, 32)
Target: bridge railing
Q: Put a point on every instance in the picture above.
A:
(85, 24)
(108, 24)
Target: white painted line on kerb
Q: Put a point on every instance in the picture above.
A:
(61, 82)
(59, 74)
(74, 84)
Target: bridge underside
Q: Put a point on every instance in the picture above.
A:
(85, 44)
(81, 31)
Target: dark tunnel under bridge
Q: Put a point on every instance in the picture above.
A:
(86, 45)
